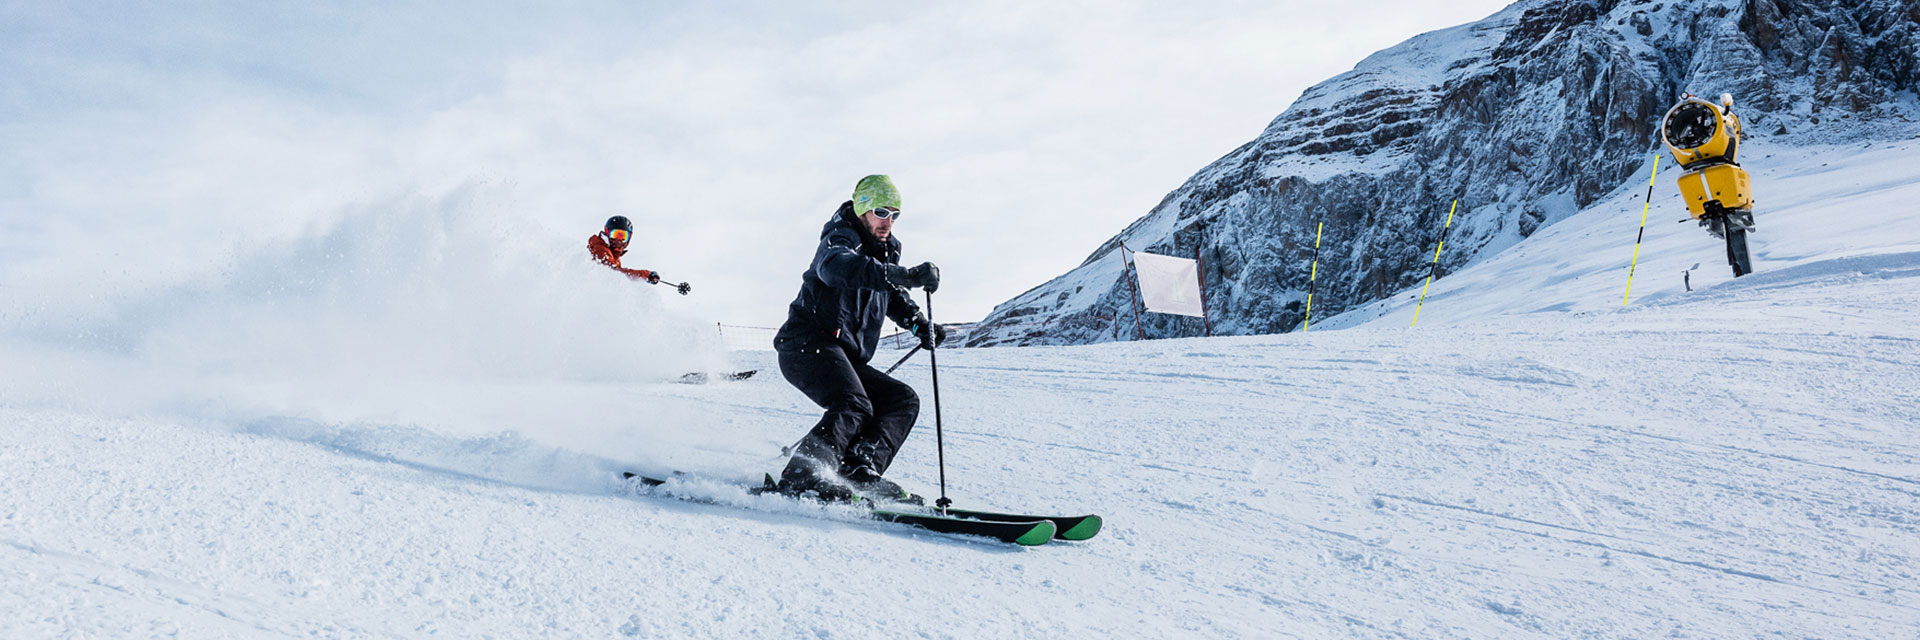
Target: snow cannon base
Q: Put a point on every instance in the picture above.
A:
(1723, 187)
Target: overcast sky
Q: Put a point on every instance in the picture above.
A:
(148, 138)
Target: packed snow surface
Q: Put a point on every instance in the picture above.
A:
(1813, 204)
(1533, 460)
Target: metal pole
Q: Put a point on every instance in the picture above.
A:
(903, 359)
(1131, 275)
(1201, 268)
(1313, 277)
(1436, 263)
(939, 437)
(1643, 231)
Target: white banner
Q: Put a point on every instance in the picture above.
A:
(1169, 284)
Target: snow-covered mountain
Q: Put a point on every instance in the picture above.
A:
(363, 435)
(1735, 462)
(1525, 117)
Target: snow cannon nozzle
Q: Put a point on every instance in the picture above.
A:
(1704, 138)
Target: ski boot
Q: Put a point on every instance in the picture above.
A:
(864, 476)
(882, 490)
(802, 481)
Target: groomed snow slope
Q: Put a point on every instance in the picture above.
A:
(1812, 204)
(1741, 461)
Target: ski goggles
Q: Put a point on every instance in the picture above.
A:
(886, 213)
(619, 235)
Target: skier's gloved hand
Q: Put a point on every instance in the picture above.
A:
(685, 288)
(653, 277)
(930, 335)
(926, 275)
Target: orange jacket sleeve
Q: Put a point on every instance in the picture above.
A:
(603, 254)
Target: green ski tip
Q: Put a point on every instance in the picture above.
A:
(1082, 530)
(1038, 535)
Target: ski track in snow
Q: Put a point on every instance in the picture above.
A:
(1534, 460)
(1633, 474)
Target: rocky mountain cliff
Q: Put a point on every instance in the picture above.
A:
(1525, 117)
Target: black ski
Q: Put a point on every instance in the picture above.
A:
(1028, 534)
(1065, 527)
(702, 377)
(1022, 532)
(651, 482)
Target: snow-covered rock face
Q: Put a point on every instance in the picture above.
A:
(1525, 117)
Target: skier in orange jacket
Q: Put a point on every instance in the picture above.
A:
(611, 243)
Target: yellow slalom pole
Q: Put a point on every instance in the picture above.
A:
(1436, 263)
(1643, 229)
(1314, 275)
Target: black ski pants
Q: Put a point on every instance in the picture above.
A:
(864, 406)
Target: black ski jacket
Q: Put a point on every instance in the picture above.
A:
(844, 296)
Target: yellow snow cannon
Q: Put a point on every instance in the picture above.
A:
(1705, 139)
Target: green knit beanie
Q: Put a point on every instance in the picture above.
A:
(873, 192)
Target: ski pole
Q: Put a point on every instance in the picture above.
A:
(939, 437)
(903, 359)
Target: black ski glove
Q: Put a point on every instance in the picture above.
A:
(926, 275)
(931, 335)
(684, 288)
(653, 277)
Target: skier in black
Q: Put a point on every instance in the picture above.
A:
(854, 284)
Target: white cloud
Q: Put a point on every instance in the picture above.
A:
(1022, 134)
